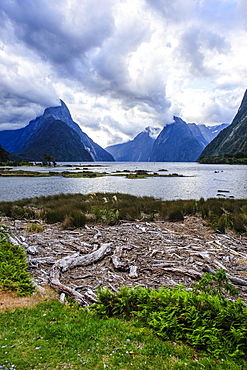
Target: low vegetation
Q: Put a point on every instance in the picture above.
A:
(14, 273)
(74, 210)
(134, 327)
(203, 317)
(7, 170)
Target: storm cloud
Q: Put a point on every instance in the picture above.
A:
(121, 65)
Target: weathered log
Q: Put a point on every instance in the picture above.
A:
(116, 258)
(112, 287)
(42, 260)
(81, 277)
(191, 273)
(70, 262)
(237, 281)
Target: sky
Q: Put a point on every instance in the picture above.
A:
(122, 65)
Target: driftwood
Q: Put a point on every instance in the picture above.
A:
(151, 254)
(133, 272)
(116, 258)
(68, 263)
(189, 272)
(118, 263)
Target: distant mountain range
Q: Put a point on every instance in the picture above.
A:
(233, 139)
(54, 134)
(177, 142)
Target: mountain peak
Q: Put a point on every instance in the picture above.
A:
(178, 119)
(60, 112)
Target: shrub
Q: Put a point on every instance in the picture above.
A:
(14, 273)
(239, 223)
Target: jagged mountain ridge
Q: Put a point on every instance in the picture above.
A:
(137, 150)
(233, 139)
(17, 141)
(179, 141)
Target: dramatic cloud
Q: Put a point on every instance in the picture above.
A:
(120, 65)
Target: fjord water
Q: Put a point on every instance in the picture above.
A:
(207, 181)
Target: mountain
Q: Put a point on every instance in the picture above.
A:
(178, 142)
(57, 140)
(137, 150)
(17, 141)
(233, 139)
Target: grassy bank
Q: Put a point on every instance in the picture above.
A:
(52, 336)
(74, 210)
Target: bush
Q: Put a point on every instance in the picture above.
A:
(79, 219)
(14, 273)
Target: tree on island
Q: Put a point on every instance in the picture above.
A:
(48, 159)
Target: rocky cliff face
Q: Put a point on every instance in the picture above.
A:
(137, 150)
(233, 139)
(17, 141)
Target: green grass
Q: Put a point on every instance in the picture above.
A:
(53, 336)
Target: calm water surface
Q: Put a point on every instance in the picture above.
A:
(202, 181)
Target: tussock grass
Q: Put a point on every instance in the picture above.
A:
(74, 210)
(34, 227)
